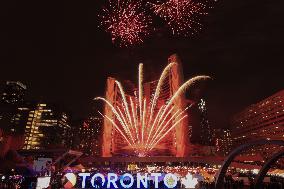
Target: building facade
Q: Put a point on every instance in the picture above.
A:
(14, 92)
(263, 120)
(175, 143)
(224, 141)
(46, 128)
(13, 116)
(30, 125)
(90, 136)
(206, 131)
(13, 110)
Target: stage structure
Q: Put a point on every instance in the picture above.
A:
(175, 142)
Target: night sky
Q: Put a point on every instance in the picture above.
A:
(59, 52)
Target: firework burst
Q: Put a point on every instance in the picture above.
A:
(126, 22)
(139, 121)
(182, 16)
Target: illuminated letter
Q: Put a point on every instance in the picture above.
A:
(131, 180)
(143, 179)
(84, 175)
(110, 180)
(170, 180)
(156, 175)
(98, 175)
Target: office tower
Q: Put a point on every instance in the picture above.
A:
(224, 141)
(13, 109)
(206, 134)
(46, 127)
(263, 120)
(14, 92)
(13, 116)
(90, 135)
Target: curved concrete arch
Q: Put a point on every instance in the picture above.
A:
(222, 172)
(265, 168)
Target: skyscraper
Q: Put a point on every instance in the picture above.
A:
(13, 110)
(96, 123)
(206, 134)
(13, 119)
(224, 141)
(14, 92)
(46, 127)
(90, 135)
(13, 115)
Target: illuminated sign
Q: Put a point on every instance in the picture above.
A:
(42, 182)
(112, 180)
(127, 180)
(69, 180)
(189, 181)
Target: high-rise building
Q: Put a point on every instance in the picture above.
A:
(14, 92)
(13, 116)
(13, 119)
(224, 141)
(206, 131)
(201, 131)
(90, 135)
(176, 142)
(263, 120)
(46, 127)
(96, 123)
(13, 109)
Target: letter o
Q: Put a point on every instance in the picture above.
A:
(131, 180)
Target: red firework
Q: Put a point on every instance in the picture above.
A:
(183, 16)
(126, 21)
